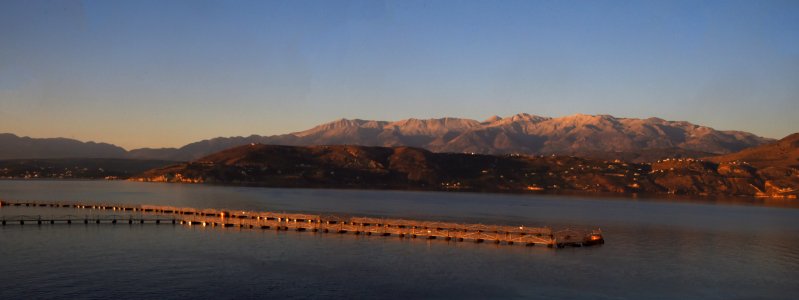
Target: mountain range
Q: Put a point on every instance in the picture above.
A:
(15, 147)
(598, 136)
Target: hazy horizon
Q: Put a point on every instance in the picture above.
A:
(164, 74)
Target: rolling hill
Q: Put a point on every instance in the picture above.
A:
(782, 153)
(362, 167)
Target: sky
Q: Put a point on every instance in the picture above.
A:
(166, 73)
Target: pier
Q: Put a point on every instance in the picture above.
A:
(264, 220)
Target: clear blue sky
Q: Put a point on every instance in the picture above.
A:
(165, 73)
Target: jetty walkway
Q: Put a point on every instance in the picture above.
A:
(151, 214)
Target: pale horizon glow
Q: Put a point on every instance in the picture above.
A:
(167, 73)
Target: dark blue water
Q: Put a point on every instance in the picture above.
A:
(655, 249)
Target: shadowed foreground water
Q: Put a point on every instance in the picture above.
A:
(655, 249)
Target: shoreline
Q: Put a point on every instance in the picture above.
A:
(742, 200)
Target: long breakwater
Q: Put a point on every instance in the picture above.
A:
(265, 220)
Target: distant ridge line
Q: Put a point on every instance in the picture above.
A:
(601, 136)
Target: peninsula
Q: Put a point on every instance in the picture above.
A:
(346, 166)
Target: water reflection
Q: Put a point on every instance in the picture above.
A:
(661, 248)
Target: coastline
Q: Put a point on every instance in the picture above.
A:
(565, 195)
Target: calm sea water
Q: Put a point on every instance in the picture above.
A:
(655, 249)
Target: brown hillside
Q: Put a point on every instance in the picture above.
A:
(782, 153)
(347, 166)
